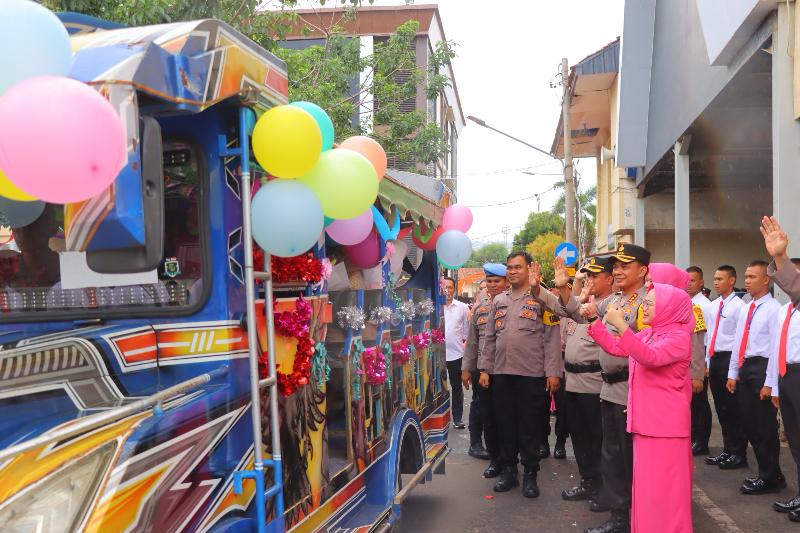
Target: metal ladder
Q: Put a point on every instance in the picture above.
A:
(250, 276)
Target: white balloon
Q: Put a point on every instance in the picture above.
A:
(453, 248)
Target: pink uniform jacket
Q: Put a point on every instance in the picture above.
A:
(659, 380)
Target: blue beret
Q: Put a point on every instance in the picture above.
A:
(494, 269)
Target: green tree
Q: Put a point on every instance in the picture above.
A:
(586, 211)
(542, 249)
(494, 252)
(537, 224)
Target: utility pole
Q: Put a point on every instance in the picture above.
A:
(505, 231)
(569, 182)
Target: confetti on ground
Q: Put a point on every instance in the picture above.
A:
(488, 497)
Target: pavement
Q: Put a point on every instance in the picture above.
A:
(462, 501)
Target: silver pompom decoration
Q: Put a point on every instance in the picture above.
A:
(425, 307)
(351, 317)
(407, 310)
(380, 315)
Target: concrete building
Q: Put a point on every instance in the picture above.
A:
(373, 24)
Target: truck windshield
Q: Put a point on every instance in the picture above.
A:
(38, 276)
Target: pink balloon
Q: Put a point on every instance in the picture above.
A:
(351, 230)
(60, 140)
(457, 217)
(365, 254)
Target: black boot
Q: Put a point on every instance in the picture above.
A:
(560, 451)
(529, 487)
(544, 450)
(478, 451)
(620, 522)
(493, 470)
(508, 479)
(585, 491)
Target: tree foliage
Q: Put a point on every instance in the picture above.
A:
(494, 252)
(538, 224)
(586, 211)
(542, 249)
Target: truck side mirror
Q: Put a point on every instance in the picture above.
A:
(149, 256)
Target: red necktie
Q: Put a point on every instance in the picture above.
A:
(716, 327)
(743, 345)
(782, 346)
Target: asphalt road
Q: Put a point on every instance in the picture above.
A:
(462, 501)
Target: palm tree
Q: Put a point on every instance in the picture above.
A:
(586, 211)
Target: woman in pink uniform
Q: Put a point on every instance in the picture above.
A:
(658, 407)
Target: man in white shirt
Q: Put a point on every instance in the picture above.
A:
(722, 317)
(456, 328)
(701, 409)
(755, 333)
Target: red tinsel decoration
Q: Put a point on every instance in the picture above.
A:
(401, 349)
(374, 366)
(304, 267)
(437, 335)
(422, 340)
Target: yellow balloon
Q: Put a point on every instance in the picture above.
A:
(287, 141)
(11, 191)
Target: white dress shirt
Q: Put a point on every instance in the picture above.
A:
(729, 315)
(456, 328)
(760, 340)
(792, 346)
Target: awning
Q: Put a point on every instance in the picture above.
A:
(418, 197)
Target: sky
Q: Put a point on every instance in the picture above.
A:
(509, 52)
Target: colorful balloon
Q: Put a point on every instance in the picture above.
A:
(323, 121)
(20, 214)
(426, 242)
(287, 141)
(287, 218)
(387, 234)
(35, 43)
(365, 254)
(61, 141)
(453, 248)
(457, 217)
(350, 231)
(11, 191)
(344, 182)
(369, 148)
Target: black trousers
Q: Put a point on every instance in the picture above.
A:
(759, 417)
(726, 405)
(616, 457)
(520, 403)
(562, 426)
(456, 389)
(701, 416)
(586, 430)
(790, 411)
(483, 420)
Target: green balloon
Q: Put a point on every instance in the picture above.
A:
(329, 221)
(345, 183)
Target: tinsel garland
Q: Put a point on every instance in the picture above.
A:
(380, 315)
(422, 340)
(351, 317)
(355, 387)
(374, 366)
(320, 367)
(425, 307)
(437, 335)
(406, 310)
(390, 289)
(387, 358)
(303, 267)
(295, 324)
(401, 349)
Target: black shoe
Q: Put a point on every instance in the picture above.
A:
(794, 516)
(577, 494)
(762, 486)
(529, 487)
(478, 452)
(788, 506)
(597, 507)
(458, 424)
(733, 462)
(559, 452)
(619, 522)
(715, 460)
(544, 451)
(699, 449)
(508, 479)
(750, 480)
(493, 470)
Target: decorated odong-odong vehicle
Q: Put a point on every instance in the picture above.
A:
(153, 378)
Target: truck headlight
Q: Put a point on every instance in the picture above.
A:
(59, 502)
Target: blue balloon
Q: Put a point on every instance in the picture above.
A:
(323, 121)
(287, 218)
(20, 214)
(453, 248)
(34, 43)
(383, 228)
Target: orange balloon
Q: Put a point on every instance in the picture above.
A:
(369, 148)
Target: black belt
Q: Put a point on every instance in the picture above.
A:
(614, 377)
(583, 368)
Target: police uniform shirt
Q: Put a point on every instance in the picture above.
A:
(762, 332)
(792, 345)
(582, 349)
(477, 334)
(787, 277)
(702, 302)
(522, 338)
(700, 337)
(728, 317)
(631, 309)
